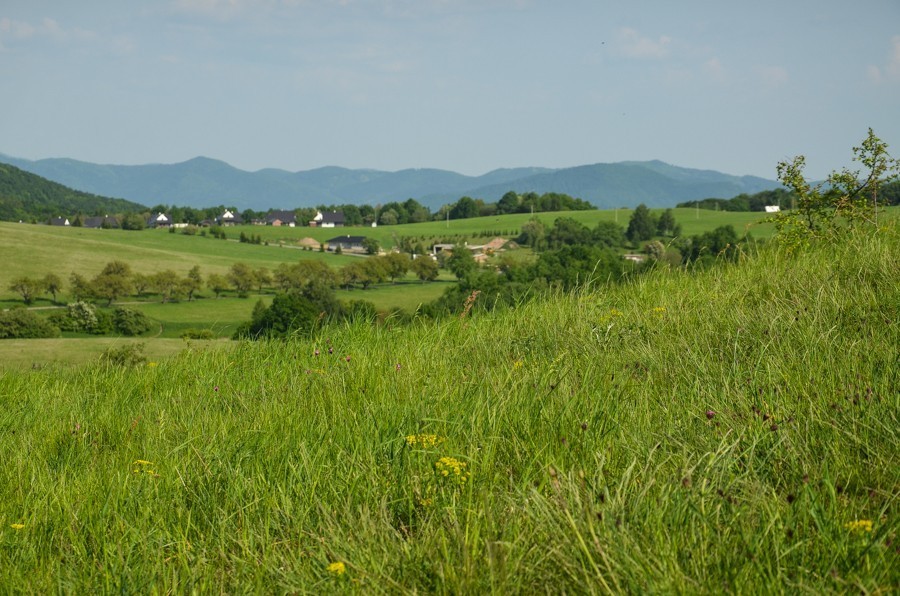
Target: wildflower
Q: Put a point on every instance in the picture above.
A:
(710, 414)
(316, 353)
(337, 568)
(398, 367)
(16, 526)
(615, 312)
(450, 467)
(142, 462)
(330, 350)
(216, 388)
(152, 364)
(859, 526)
(517, 364)
(348, 358)
(424, 441)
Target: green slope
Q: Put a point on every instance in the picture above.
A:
(28, 197)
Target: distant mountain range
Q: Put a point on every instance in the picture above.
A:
(205, 182)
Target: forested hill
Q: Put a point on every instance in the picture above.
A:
(28, 197)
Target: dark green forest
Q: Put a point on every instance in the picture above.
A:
(28, 197)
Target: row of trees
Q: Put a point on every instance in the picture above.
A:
(117, 280)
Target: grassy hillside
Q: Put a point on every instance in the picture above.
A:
(734, 430)
(25, 196)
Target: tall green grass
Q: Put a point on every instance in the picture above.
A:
(731, 430)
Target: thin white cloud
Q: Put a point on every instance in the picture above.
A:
(634, 45)
(12, 30)
(891, 70)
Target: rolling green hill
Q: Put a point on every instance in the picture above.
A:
(733, 430)
(28, 197)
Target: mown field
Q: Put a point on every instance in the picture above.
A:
(733, 430)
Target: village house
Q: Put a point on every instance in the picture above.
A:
(59, 221)
(281, 218)
(346, 243)
(329, 219)
(229, 218)
(160, 220)
(105, 221)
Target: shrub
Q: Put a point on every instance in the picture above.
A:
(127, 355)
(82, 317)
(130, 322)
(19, 323)
(198, 334)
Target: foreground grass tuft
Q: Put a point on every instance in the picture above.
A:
(735, 430)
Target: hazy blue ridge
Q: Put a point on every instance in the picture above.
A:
(203, 182)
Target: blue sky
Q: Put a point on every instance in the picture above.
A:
(464, 85)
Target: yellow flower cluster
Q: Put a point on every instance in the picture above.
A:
(859, 525)
(518, 364)
(337, 568)
(451, 467)
(424, 441)
(143, 467)
(615, 312)
(16, 526)
(659, 310)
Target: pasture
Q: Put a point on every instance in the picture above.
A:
(733, 430)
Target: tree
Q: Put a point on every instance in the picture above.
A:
(166, 284)
(464, 208)
(609, 234)
(425, 268)
(81, 288)
(533, 233)
(461, 262)
(217, 283)
(133, 221)
(666, 224)
(371, 245)
(141, 283)
(263, 278)
(192, 282)
(845, 197)
(27, 287)
(113, 282)
(641, 226)
(396, 265)
(242, 278)
(508, 203)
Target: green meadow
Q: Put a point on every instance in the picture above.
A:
(730, 430)
(692, 222)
